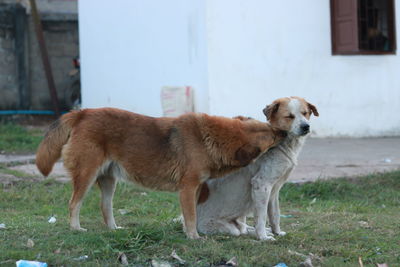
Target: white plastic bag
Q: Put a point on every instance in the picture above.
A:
(177, 100)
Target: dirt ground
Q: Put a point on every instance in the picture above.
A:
(320, 159)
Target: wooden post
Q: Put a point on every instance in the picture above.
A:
(45, 57)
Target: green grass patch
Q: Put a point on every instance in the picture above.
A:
(4, 169)
(348, 219)
(17, 139)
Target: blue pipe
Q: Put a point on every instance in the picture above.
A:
(28, 112)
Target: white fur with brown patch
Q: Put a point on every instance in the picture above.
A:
(256, 187)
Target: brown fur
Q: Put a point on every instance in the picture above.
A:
(175, 154)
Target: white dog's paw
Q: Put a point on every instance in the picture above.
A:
(267, 238)
(250, 228)
(281, 233)
(78, 228)
(246, 229)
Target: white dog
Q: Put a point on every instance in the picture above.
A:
(224, 203)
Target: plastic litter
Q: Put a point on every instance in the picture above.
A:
(178, 219)
(122, 258)
(52, 219)
(81, 258)
(232, 262)
(123, 211)
(30, 243)
(286, 216)
(176, 257)
(155, 263)
(360, 262)
(177, 100)
(25, 263)
(2, 226)
(364, 224)
(306, 263)
(387, 160)
(281, 264)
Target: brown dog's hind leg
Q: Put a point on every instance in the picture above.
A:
(83, 169)
(188, 199)
(107, 184)
(80, 190)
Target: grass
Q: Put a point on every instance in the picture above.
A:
(17, 139)
(338, 221)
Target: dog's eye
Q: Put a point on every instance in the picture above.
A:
(290, 116)
(304, 113)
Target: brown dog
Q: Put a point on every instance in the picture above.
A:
(174, 154)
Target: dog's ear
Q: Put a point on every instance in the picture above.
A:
(270, 110)
(313, 109)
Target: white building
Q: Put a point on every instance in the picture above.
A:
(239, 55)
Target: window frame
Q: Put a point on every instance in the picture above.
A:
(358, 51)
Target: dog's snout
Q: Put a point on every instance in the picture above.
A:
(305, 128)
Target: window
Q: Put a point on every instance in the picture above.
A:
(363, 27)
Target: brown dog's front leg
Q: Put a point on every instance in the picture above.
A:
(188, 195)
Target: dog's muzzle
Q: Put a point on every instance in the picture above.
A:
(305, 129)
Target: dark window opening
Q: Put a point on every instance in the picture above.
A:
(373, 23)
(363, 27)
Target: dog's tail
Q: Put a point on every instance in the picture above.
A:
(50, 148)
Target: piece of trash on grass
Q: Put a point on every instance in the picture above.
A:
(232, 262)
(307, 259)
(387, 160)
(57, 251)
(143, 194)
(81, 258)
(122, 258)
(25, 263)
(30, 243)
(178, 219)
(360, 262)
(291, 252)
(286, 216)
(123, 211)
(364, 224)
(281, 264)
(2, 226)
(155, 263)
(176, 257)
(306, 263)
(382, 265)
(52, 219)
(313, 201)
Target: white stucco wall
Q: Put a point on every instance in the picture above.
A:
(261, 50)
(131, 48)
(239, 55)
